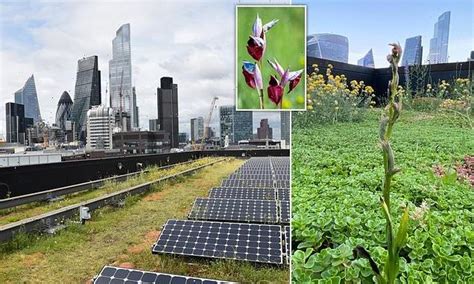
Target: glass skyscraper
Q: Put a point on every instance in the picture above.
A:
(168, 109)
(328, 46)
(15, 123)
(63, 111)
(367, 60)
(439, 42)
(120, 75)
(236, 125)
(413, 51)
(285, 123)
(86, 94)
(28, 97)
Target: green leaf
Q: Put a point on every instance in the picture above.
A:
(401, 238)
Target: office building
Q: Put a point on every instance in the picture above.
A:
(135, 113)
(153, 125)
(168, 109)
(285, 126)
(15, 123)
(439, 42)
(197, 129)
(235, 125)
(63, 110)
(328, 46)
(122, 97)
(86, 93)
(28, 97)
(367, 60)
(183, 138)
(142, 142)
(264, 131)
(413, 52)
(100, 124)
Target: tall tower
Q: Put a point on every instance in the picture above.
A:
(439, 42)
(168, 109)
(328, 46)
(367, 60)
(86, 93)
(413, 51)
(28, 97)
(234, 125)
(120, 75)
(285, 126)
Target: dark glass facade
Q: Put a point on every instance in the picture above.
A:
(237, 125)
(328, 46)
(168, 109)
(28, 97)
(15, 123)
(413, 51)
(63, 111)
(285, 124)
(87, 93)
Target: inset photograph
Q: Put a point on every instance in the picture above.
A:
(270, 57)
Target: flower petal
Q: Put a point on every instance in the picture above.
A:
(257, 27)
(285, 78)
(249, 66)
(275, 91)
(269, 25)
(294, 82)
(293, 75)
(258, 78)
(249, 77)
(254, 49)
(277, 67)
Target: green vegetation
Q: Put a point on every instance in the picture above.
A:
(286, 42)
(123, 236)
(29, 210)
(336, 189)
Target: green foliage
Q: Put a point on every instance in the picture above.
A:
(286, 41)
(336, 185)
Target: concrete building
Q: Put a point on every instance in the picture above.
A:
(168, 109)
(197, 129)
(142, 142)
(153, 125)
(100, 125)
(264, 131)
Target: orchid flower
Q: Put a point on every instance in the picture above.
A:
(252, 75)
(276, 88)
(256, 44)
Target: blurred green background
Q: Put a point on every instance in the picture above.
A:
(286, 42)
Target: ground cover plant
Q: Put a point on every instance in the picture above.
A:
(336, 207)
(123, 237)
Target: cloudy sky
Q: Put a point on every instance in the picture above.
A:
(191, 41)
(375, 23)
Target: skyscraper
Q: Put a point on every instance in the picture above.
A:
(63, 111)
(120, 75)
(86, 93)
(28, 97)
(197, 129)
(413, 51)
(264, 131)
(328, 46)
(135, 113)
(168, 109)
(439, 42)
(367, 60)
(285, 124)
(100, 123)
(15, 123)
(236, 125)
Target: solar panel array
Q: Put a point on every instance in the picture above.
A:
(243, 219)
(240, 210)
(250, 242)
(111, 274)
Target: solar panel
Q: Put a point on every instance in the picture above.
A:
(250, 242)
(282, 184)
(287, 237)
(243, 193)
(285, 212)
(247, 183)
(110, 274)
(283, 194)
(259, 176)
(237, 210)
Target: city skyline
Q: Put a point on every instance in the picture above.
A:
(47, 39)
(419, 18)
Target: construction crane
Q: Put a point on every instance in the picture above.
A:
(208, 122)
